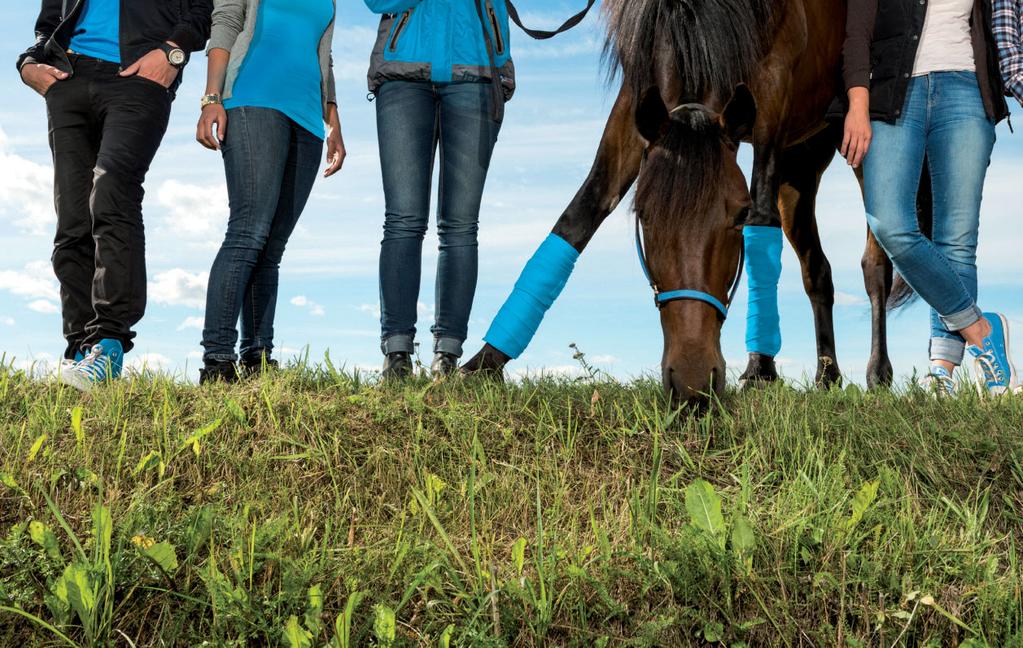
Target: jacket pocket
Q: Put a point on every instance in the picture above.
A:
(496, 28)
(399, 29)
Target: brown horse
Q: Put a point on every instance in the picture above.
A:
(698, 77)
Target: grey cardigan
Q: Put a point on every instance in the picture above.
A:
(234, 23)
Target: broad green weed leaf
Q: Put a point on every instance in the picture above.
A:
(102, 528)
(861, 503)
(384, 627)
(194, 439)
(76, 425)
(314, 609)
(445, 637)
(519, 554)
(744, 541)
(8, 480)
(343, 624)
(150, 460)
(36, 446)
(295, 636)
(704, 507)
(163, 554)
(236, 412)
(713, 632)
(45, 538)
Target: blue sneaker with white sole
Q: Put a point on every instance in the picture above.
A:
(995, 370)
(939, 382)
(103, 362)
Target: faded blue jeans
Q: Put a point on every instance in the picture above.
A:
(414, 120)
(943, 119)
(271, 165)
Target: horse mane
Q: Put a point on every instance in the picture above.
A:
(667, 186)
(716, 44)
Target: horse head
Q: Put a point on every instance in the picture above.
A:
(691, 197)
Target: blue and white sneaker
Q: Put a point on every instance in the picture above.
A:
(939, 382)
(995, 371)
(104, 362)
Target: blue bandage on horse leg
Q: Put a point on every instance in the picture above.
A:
(540, 283)
(763, 271)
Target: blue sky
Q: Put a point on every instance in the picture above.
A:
(329, 298)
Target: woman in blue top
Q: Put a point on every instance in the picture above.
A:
(269, 91)
(441, 72)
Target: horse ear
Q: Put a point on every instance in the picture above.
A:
(740, 114)
(652, 115)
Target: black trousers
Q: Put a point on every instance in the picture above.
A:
(104, 132)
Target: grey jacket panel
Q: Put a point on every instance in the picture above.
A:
(381, 70)
(234, 24)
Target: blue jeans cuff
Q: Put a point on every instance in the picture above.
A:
(220, 357)
(948, 349)
(963, 319)
(448, 345)
(398, 344)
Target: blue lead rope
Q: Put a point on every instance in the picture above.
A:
(661, 299)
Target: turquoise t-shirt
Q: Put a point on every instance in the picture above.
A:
(282, 67)
(98, 32)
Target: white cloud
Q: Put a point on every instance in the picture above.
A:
(848, 299)
(372, 310)
(194, 211)
(40, 365)
(26, 191)
(7, 321)
(148, 361)
(36, 281)
(192, 322)
(316, 310)
(178, 287)
(43, 306)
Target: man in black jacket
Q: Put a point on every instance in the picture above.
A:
(108, 70)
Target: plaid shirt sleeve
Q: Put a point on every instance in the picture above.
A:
(1008, 31)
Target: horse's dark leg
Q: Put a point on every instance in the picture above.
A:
(801, 171)
(877, 279)
(614, 170)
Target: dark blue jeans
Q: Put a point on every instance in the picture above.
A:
(414, 119)
(271, 165)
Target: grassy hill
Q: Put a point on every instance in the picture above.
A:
(315, 508)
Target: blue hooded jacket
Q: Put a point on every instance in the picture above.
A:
(441, 41)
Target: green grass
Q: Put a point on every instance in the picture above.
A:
(316, 508)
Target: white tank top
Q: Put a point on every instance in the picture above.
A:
(946, 44)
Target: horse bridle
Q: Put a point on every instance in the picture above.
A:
(662, 299)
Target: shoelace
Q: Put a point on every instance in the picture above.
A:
(943, 383)
(90, 366)
(988, 365)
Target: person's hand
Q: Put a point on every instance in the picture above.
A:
(155, 67)
(41, 77)
(212, 129)
(335, 146)
(858, 133)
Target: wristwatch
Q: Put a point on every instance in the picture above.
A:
(209, 100)
(175, 55)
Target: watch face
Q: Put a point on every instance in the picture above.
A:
(176, 57)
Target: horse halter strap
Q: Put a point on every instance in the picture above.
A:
(661, 299)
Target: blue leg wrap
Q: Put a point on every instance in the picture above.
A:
(763, 271)
(540, 283)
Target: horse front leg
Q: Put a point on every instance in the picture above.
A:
(878, 274)
(545, 275)
(762, 235)
(802, 169)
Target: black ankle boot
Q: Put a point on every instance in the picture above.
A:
(444, 364)
(254, 367)
(218, 372)
(397, 366)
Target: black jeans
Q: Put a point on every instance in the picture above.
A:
(104, 132)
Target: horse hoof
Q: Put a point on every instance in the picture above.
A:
(760, 372)
(828, 373)
(880, 375)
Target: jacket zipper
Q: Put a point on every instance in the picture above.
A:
(497, 30)
(399, 29)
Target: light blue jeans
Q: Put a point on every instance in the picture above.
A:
(943, 119)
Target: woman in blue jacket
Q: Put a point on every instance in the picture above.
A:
(441, 72)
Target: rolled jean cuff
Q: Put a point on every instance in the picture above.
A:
(398, 344)
(963, 319)
(220, 357)
(448, 345)
(948, 350)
